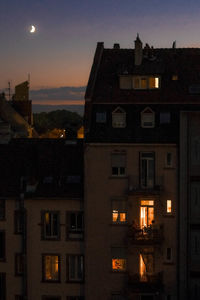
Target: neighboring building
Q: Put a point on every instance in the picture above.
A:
(141, 190)
(41, 220)
(16, 115)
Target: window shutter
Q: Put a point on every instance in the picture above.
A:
(118, 160)
(119, 252)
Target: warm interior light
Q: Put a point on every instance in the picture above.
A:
(122, 217)
(142, 269)
(156, 82)
(115, 215)
(119, 264)
(47, 218)
(169, 206)
(147, 202)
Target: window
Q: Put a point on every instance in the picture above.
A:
(19, 221)
(75, 225)
(119, 211)
(118, 296)
(195, 150)
(119, 259)
(2, 209)
(2, 286)
(101, 117)
(146, 82)
(174, 77)
(118, 163)
(146, 213)
(51, 267)
(147, 118)
(169, 206)
(2, 246)
(165, 118)
(147, 169)
(19, 297)
(75, 267)
(51, 225)
(126, 82)
(168, 254)
(195, 200)
(19, 264)
(146, 264)
(118, 118)
(168, 159)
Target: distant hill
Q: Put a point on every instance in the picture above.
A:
(37, 108)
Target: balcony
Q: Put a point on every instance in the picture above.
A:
(146, 236)
(136, 186)
(150, 283)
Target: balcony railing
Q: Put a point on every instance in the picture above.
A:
(146, 283)
(135, 185)
(146, 235)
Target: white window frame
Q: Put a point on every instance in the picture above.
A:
(50, 236)
(119, 112)
(76, 266)
(148, 112)
(120, 167)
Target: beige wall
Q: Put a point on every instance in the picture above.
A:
(101, 234)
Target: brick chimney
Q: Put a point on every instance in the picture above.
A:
(138, 51)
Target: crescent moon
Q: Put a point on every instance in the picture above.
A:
(32, 29)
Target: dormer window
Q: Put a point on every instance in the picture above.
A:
(147, 118)
(146, 82)
(119, 118)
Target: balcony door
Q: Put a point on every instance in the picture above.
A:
(147, 169)
(146, 213)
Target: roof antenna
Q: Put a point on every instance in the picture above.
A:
(174, 45)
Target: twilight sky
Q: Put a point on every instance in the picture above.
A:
(60, 54)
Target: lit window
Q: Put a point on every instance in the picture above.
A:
(119, 217)
(146, 82)
(174, 77)
(51, 268)
(75, 268)
(146, 265)
(165, 118)
(101, 117)
(118, 118)
(119, 211)
(169, 206)
(146, 213)
(119, 259)
(147, 202)
(118, 164)
(147, 118)
(50, 226)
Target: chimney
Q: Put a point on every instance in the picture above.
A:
(138, 51)
(116, 46)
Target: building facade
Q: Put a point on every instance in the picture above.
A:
(139, 218)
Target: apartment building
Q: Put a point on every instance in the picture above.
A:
(41, 220)
(138, 228)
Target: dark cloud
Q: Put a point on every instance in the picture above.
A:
(62, 93)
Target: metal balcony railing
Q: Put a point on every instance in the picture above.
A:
(137, 184)
(146, 235)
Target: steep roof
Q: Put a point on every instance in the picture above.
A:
(109, 64)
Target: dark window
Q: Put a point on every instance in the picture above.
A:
(169, 159)
(147, 169)
(2, 245)
(50, 225)
(74, 179)
(18, 297)
(101, 117)
(165, 118)
(51, 268)
(169, 254)
(2, 209)
(75, 298)
(19, 264)
(118, 164)
(2, 286)
(19, 221)
(75, 268)
(75, 225)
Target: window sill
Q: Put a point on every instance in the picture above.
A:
(118, 177)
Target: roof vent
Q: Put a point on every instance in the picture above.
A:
(116, 46)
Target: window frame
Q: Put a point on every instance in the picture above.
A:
(3, 283)
(44, 235)
(119, 206)
(44, 269)
(76, 279)
(19, 264)
(146, 178)
(168, 212)
(148, 79)
(2, 209)
(119, 112)
(121, 170)
(76, 233)
(3, 258)
(150, 114)
(121, 256)
(168, 260)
